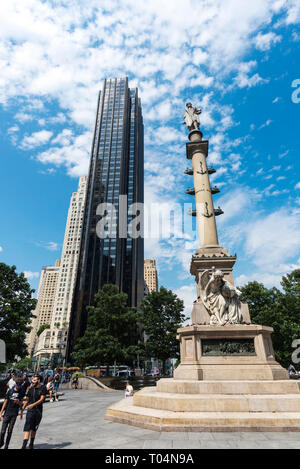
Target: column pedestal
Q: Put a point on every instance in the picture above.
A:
(237, 352)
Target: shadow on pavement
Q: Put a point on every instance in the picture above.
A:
(53, 446)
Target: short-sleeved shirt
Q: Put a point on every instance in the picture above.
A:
(34, 394)
(14, 399)
(11, 383)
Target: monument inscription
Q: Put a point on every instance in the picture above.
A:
(223, 347)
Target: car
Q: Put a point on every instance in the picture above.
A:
(125, 373)
(154, 372)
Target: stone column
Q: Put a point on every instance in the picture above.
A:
(206, 220)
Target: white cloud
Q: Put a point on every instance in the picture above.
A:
(50, 246)
(53, 53)
(23, 117)
(297, 186)
(238, 200)
(268, 247)
(36, 139)
(64, 138)
(1, 248)
(64, 53)
(265, 124)
(265, 41)
(243, 78)
(30, 275)
(285, 153)
(74, 153)
(188, 294)
(266, 278)
(293, 12)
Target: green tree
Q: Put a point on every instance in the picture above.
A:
(162, 316)
(112, 332)
(16, 306)
(24, 364)
(277, 309)
(42, 328)
(290, 300)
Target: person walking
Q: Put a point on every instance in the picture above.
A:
(34, 399)
(46, 378)
(26, 383)
(10, 408)
(128, 390)
(75, 381)
(56, 385)
(12, 382)
(50, 388)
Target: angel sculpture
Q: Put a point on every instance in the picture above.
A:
(191, 117)
(220, 298)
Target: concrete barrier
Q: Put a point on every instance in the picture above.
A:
(90, 384)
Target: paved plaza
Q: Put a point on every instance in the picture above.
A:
(77, 422)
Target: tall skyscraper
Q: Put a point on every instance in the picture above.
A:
(45, 302)
(116, 176)
(150, 275)
(69, 258)
(57, 284)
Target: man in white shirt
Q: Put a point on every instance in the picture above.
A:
(12, 382)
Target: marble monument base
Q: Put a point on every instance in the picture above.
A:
(235, 352)
(212, 406)
(228, 380)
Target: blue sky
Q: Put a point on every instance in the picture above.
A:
(236, 60)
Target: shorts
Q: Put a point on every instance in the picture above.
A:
(33, 419)
(55, 386)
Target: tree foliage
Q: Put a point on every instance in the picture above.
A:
(16, 306)
(112, 332)
(42, 328)
(162, 316)
(277, 309)
(24, 364)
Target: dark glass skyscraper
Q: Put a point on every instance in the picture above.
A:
(116, 169)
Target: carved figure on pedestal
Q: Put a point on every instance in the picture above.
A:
(220, 298)
(191, 117)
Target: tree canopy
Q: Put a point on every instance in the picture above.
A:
(16, 306)
(42, 328)
(277, 309)
(162, 316)
(112, 332)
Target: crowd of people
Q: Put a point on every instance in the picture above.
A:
(30, 394)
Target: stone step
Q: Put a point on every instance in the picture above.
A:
(162, 420)
(217, 402)
(228, 387)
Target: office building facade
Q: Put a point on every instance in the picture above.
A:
(116, 178)
(45, 302)
(150, 275)
(56, 289)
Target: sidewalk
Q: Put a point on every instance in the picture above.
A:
(77, 422)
